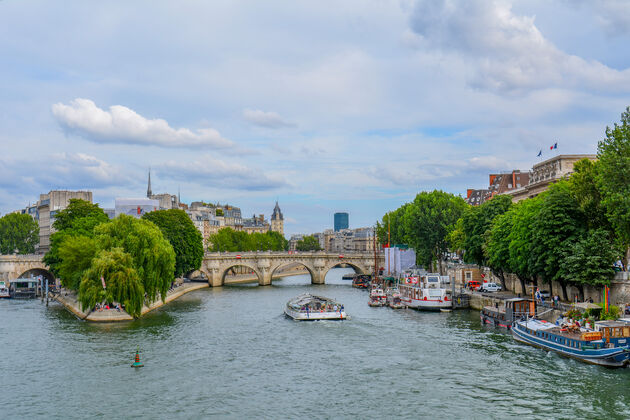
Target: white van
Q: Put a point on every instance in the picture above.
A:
(490, 287)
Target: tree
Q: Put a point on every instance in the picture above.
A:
(79, 218)
(497, 246)
(613, 177)
(75, 257)
(560, 222)
(152, 255)
(523, 216)
(227, 239)
(477, 221)
(19, 233)
(394, 222)
(184, 237)
(583, 185)
(589, 261)
(308, 243)
(116, 268)
(427, 222)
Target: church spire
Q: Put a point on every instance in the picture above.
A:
(149, 192)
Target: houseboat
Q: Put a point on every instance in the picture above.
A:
(307, 307)
(4, 290)
(23, 288)
(606, 347)
(361, 281)
(429, 293)
(512, 310)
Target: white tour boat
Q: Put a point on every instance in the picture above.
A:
(307, 307)
(429, 293)
(377, 297)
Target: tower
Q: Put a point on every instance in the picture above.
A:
(149, 192)
(277, 220)
(341, 221)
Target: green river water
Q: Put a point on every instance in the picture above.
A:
(231, 353)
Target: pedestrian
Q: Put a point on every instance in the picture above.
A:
(537, 295)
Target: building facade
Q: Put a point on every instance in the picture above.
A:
(341, 221)
(277, 220)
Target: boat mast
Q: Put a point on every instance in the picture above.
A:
(389, 255)
(375, 260)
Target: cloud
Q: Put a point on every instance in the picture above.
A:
(215, 173)
(123, 125)
(265, 119)
(506, 51)
(491, 163)
(612, 15)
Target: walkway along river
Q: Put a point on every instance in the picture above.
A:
(230, 353)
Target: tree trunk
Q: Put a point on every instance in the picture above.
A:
(564, 291)
(581, 291)
(551, 288)
(501, 276)
(523, 290)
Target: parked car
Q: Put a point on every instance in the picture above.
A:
(490, 287)
(545, 294)
(473, 285)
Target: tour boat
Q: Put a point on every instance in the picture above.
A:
(349, 276)
(512, 310)
(427, 294)
(606, 347)
(377, 297)
(4, 290)
(307, 307)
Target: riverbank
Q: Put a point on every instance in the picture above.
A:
(69, 299)
(70, 302)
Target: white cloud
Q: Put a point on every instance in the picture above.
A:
(491, 163)
(214, 173)
(507, 51)
(612, 15)
(265, 119)
(123, 125)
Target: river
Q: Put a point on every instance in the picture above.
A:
(231, 353)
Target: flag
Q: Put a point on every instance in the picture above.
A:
(539, 153)
(555, 146)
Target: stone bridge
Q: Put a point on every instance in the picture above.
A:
(15, 266)
(215, 266)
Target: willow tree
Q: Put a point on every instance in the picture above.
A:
(115, 270)
(152, 255)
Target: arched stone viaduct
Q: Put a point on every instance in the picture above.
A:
(14, 266)
(264, 264)
(216, 265)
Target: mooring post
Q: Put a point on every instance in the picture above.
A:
(46, 292)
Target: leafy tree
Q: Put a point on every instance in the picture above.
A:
(79, 218)
(427, 223)
(75, 256)
(560, 222)
(308, 243)
(583, 185)
(227, 239)
(613, 177)
(395, 221)
(152, 255)
(589, 261)
(456, 238)
(497, 245)
(123, 284)
(523, 215)
(19, 233)
(476, 222)
(182, 234)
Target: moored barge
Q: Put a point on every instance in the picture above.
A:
(512, 310)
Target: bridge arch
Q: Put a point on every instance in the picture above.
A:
(273, 270)
(358, 268)
(36, 271)
(223, 272)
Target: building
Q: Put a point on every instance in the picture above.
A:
(257, 224)
(277, 220)
(47, 207)
(545, 173)
(165, 201)
(498, 184)
(135, 207)
(341, 221)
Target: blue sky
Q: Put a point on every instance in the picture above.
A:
(325, 106)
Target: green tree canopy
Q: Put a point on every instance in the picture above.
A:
(123, 284)
(476, 221)
(497, 245)
(227, 239)
(19, 233)
(79, 218)
(613, 176)
(308, 243)
(427, 222)
(152, 255)
(182, 234)
(523, 215)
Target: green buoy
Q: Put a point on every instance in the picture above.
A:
(137, 363)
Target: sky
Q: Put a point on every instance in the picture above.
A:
(325, 106)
